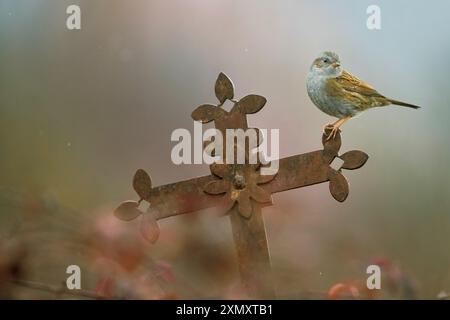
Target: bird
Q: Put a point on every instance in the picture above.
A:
(340, 94)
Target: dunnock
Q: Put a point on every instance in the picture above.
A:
(340, 94)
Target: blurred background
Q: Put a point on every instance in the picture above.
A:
(81, 110)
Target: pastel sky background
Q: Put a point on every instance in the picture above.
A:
(80, 111)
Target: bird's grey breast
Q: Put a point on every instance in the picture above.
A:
(315, 85)
(317, 91)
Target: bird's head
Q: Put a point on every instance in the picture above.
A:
(327, 64)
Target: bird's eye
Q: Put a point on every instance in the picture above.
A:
(325, 60)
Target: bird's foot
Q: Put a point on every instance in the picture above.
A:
(328, 127)
(333, 129)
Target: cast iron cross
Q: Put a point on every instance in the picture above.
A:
(240, 189)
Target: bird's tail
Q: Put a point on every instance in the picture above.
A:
(404, 104)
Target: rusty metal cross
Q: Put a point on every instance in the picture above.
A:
(240, 190)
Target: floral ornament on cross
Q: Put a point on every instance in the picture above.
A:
(224, 90)
(129, 210)
(352, 160)
(238, 183)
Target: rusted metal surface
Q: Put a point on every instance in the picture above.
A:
(253, 254)
(240, 189)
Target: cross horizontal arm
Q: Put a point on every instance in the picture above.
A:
(188, 195)
(300, 171)
(182, 197)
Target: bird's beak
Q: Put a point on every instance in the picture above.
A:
(336, 65)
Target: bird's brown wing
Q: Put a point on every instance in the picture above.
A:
(361, 95)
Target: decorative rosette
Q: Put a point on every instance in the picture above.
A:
(239, 184)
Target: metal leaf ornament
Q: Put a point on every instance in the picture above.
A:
(150, 229)
(250, 104)
(128, 210)
(224, 88)
(207, 113)
(338, 185)
(354, 159)
(142, 184)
